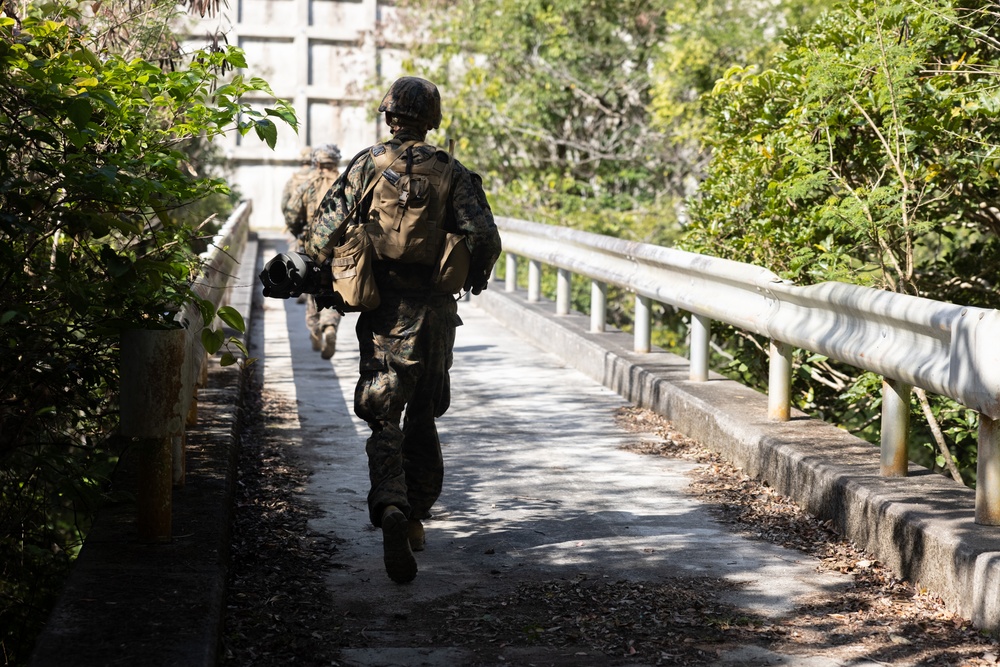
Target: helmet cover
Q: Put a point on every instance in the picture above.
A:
(326, 153)
(416, 98)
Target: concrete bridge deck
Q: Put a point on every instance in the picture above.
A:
(537, 488)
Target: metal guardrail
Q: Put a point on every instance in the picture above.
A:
(219, 267)
(944, 348)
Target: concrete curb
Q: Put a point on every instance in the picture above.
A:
(119, 590)
(921, 526)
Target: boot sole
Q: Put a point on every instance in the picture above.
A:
(400, 564)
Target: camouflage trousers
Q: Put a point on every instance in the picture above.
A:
(317, 320)
(406, 351)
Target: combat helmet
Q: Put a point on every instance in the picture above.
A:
(306, 155)
(416, 98)
(326, 153)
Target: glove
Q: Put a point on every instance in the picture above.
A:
(328, 300)
(476, 282)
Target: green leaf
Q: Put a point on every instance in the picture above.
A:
(232, 317)
(207, 310)
(212, 340)
(267, 131)
(227, 359)
(236, 58)
(79, 111)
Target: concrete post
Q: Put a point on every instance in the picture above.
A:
(153, 405)
(534, 280)
(564, 282)
(988, 472)
(510, 273)
(643, 323)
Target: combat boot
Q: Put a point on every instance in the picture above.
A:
(329, 342)
(400, 564)
(415, 534)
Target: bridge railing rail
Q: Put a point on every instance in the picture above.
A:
(944, 348)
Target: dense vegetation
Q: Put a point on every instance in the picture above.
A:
(854, 141)
(107, 193)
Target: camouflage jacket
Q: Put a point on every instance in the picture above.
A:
(292, 205)
(315, 189)
(468, 212)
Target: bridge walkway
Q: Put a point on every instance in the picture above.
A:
(537, 489)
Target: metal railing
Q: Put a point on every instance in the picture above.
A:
(219, 266)
(944, 348)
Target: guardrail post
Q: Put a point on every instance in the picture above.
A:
(895, 427)
(564, 282)
(534, 280)
(510, 273)
(643, 322)
(779, 382)
(988, 472)
(700, 333)
(598, 306)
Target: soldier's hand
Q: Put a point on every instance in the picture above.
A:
(476, 282)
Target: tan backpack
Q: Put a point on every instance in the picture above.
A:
(408, 203)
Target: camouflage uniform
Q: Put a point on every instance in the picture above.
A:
(323, 176)
(292, 208)
(406, 343)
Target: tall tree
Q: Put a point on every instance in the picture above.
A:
(867, 153)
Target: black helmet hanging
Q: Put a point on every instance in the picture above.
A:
(416, 98)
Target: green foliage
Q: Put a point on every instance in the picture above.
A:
(705, 40)
(550, 101)
(588, 114)
(98, 232)
(867, 152)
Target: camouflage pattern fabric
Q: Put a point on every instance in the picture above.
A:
(311, 194)
(317, 320)
(468, 211)
(406, 343)
(292, 204)
(406, 352)
(315, 188)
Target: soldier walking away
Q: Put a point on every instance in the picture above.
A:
(321, 323)
(292, 210)
(407, 342)
(291, 196)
